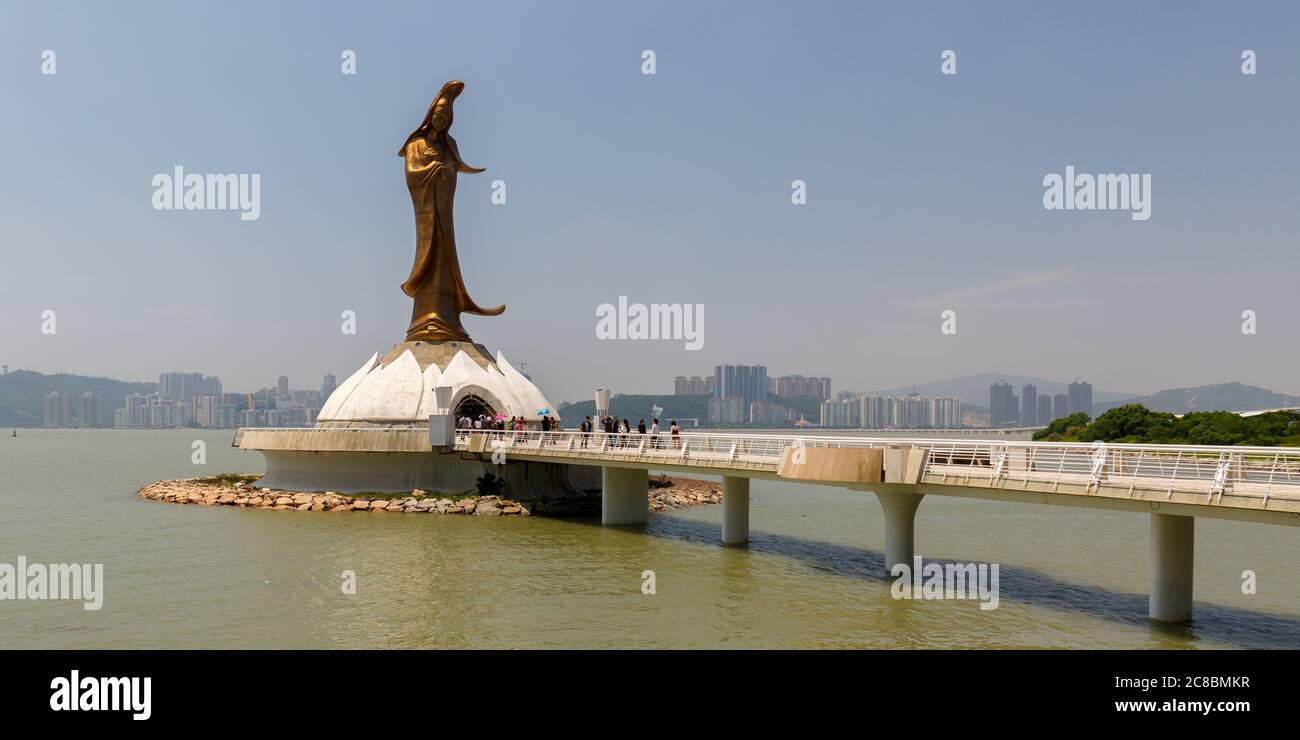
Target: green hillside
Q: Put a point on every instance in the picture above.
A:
(23, 392)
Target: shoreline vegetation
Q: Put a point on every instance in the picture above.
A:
(1135, 423)
(235, 489)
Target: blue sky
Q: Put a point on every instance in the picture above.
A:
(924, 191)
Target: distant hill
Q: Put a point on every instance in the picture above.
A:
(1218, 397)
(23, 392)
(973, 390)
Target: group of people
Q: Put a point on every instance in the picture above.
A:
(501, 424)
(620, 432)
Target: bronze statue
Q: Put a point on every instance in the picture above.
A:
(432, 162)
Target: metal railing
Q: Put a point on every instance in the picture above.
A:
(1215, 471)
(1257, 472)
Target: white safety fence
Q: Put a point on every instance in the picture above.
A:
(1262, 472)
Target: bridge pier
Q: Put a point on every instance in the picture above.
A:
(900, 517)
(624, 495)
(735, 510)
(1173, 541)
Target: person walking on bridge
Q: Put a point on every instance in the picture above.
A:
(654, 434)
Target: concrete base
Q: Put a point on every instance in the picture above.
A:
(1173, 540)
(435, 472)
(625, 495)
(900, 515)
(735, 510)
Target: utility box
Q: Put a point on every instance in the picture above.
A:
(442, 430)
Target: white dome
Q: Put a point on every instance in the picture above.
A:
(401, 393)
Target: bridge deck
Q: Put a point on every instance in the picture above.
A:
(1260, 479)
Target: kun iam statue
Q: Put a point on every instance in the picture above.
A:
(432, 163)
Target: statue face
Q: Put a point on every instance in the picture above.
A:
(441, 117)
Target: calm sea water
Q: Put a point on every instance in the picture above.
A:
(208, 577)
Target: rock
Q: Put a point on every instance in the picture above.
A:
(226, 498)
(283, 501)
(361, 504)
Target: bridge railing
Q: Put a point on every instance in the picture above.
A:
(1243, 471)
(664, 447)
(1260, 472)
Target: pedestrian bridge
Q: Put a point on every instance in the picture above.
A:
(1259, 484)
(1172, 483)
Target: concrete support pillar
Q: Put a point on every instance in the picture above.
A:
(1173, 541)
(900, 514)
(624, 495)
(735, 510)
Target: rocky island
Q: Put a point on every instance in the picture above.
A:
(239, 490)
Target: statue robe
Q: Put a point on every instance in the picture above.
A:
(435, 281)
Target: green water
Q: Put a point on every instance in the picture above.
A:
(191, 576)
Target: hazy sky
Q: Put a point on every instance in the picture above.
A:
(924, 191)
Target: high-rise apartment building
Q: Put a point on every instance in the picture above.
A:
(797, 386)
(1080, 398)
(746, 382)
(88, 416)
(1028, 405)
(1045, 409)
(183, 387)
(692, 386)
(1004, 410)
(56, 410)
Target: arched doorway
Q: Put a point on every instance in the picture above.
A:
(474, 406)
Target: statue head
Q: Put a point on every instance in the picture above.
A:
(439, 118)
(437, 124)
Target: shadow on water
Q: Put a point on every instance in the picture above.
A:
(1212, 622)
